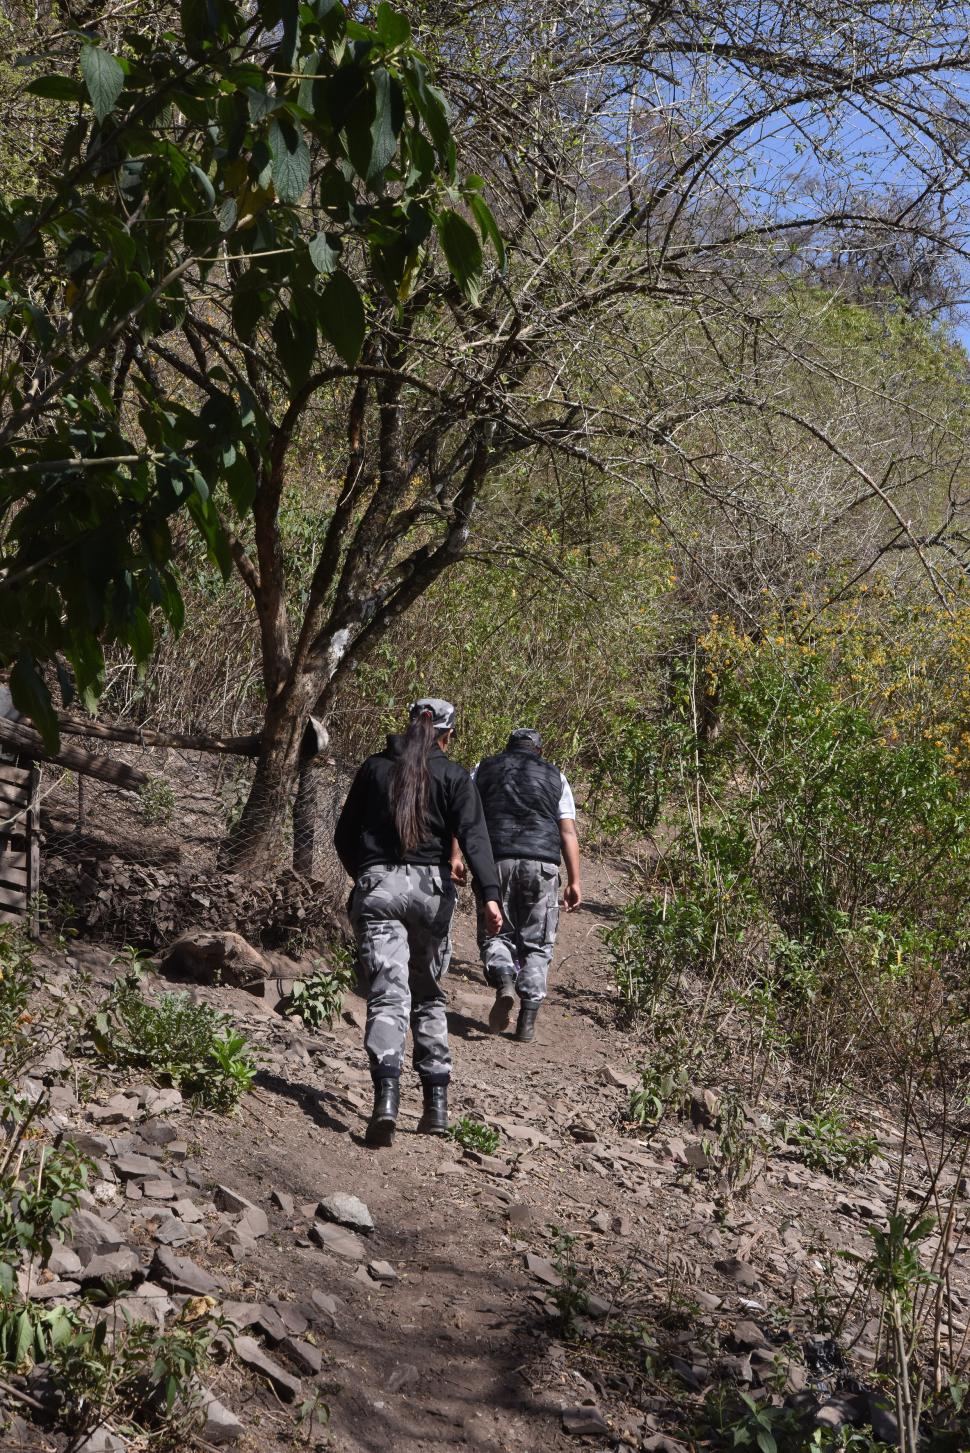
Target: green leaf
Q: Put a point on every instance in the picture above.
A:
(392, 27)
(31, 696)
(463, 252)
(291, 160)
(261, 103)
(323, 254)
(57, 88)
(387, 122)
(205, 184)
(104, 79)
(295, 336)
(766, 1442)
(342, 320)
(487, 224)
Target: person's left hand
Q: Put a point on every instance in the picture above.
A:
(459, 873)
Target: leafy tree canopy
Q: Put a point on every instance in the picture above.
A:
(272, 144)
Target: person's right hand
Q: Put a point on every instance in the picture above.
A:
(572, 897)
(493, 919)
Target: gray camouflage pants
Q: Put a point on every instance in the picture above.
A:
(401, 914)
(530, 905)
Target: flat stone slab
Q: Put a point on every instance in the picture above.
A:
(90, 1235)
(738, 1271)
(171, 1231)
(543, 1270)
(303, 1355)
(248, 1350)
(338, 1240)
(584, 1422)
(382, 1271)
(134, 1167)
(180, 1274)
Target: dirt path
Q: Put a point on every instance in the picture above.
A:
(447, 1355)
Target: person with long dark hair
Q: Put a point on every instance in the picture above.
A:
(395, 836)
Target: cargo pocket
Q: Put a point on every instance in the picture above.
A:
(549, 874)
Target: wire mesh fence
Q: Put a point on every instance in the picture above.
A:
(140, 867)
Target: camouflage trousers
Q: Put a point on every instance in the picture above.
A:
(401, 914)
(530, 908)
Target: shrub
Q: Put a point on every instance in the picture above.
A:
(318, 1000)
(191, 1045)
(824, 1142)
(820, 870)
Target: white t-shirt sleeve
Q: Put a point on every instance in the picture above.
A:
(567, 803)
(472, 774)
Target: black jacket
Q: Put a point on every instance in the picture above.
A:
(366, 834)
(520, 793)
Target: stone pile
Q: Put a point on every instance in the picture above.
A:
(137, 1251)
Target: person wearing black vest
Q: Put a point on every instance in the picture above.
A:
(531, 820)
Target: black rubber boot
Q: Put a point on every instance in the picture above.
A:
(387, 1099)
(500, 1014)
(525, 1027)
(434, 1120)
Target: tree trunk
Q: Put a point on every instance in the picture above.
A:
(257, 842)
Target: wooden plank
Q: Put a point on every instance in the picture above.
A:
(20, 776)
(14, 877)
(29, 744)
(12, 897)
(12, 860)
(14, 918)
(15, 794)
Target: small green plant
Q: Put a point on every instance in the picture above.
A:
(664, 1085)
(318, 1000)
(731, 1418)
(740, 1148)
(571, 1295)
(825, 1143)
(474, 1134)
(894, 1269)
(133, 960)
(30, 1333)
(157, 800)
(655, 940)
(191, 1045)
(137, 1372)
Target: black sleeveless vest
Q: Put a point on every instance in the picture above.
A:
(520, 793)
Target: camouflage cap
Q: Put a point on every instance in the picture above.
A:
(442, 712)
(526, 734)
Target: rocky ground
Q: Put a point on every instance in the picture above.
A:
(422, 1297)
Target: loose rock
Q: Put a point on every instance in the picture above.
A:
(180, 1274)
(250, 1352)
(338, 1240)
(584, 1422)
(217, 958)
(346, 1211)
(382, 1271)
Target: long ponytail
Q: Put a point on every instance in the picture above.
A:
(409, 785)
